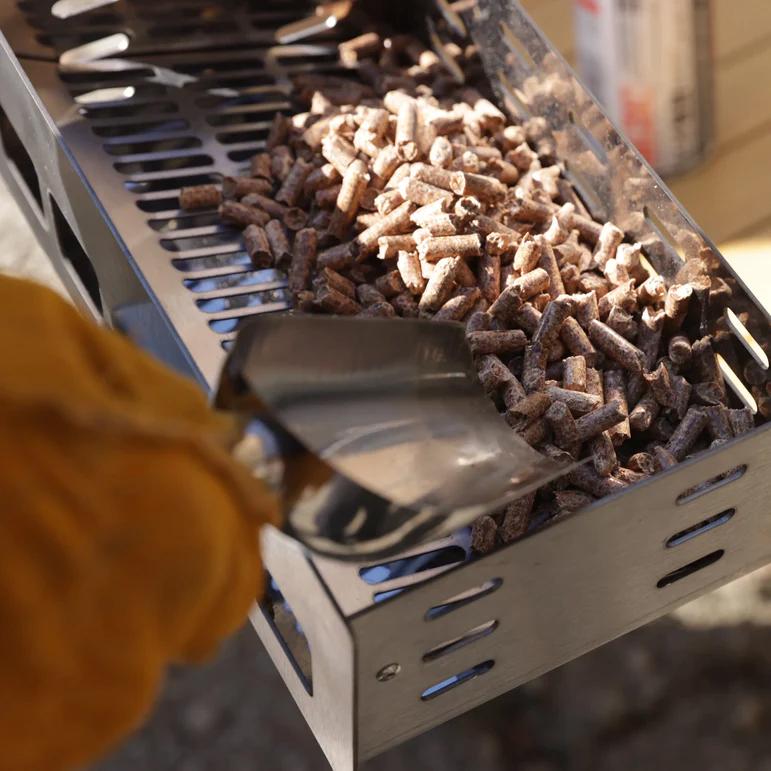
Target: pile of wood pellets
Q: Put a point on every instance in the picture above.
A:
(402, 194)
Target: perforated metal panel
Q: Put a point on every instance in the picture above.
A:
(192, 100)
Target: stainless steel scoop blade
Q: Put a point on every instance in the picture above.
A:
(381, 430)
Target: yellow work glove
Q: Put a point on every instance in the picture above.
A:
(128, 535)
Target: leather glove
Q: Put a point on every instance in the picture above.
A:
(128, 535)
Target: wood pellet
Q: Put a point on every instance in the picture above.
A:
(404, 195)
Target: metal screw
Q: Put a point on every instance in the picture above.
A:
(388, 672)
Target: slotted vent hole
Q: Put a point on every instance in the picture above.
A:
(663, 232)
(267, 279)
(238, 301)
(255, 133)
(128, 110)
(250, 80)
(101, 19)
(736, 385)
(186, 243)
(75, 255)
(513, 99)
(244, 154)
(241, 119)
(712, 484)
(467, 638)
(588, 139)
(281, 618)
(243, 79)
(71, 38)
(127, 130)
(185, 29)
(448, 683)
(409, 566)
(20, 159)
(700, 528)
(171, 163)
(157, 204)
(747, 340)
(464, 598)
(692, 567)
(107, 78)
(320, 60)
(213, 262)
(159, 145)
(171, 183)
(184, 221)
(517, 47)
(139, 90)
(206, 68)
(584, 188)
(268, 101)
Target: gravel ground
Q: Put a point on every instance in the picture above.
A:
(690, 692)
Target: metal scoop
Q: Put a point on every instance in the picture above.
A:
(377, 431)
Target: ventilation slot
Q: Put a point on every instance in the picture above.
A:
(585, 190)
(289, 633)
(128, 110)
(255, 101)
(463, 599)
(184, 221)
(171, 163)
(245, 153)
(171, 183)
(213, 64)
(266, 279)
(712, 484)
(450, 646)
(152, 146)
(128, 129)
(517, 47)
(243, 80)
(409, 566)
(20, 159)
(145, 91)
(747, 340)
(690, 568)
(106, 78)
(702, 527)
(75, 255)
(155, 203)
(513, 99)
(257, 87)
(664, 233)
(736, 385)
(588, 139)
(257, 300)
(248, 132)
(433, 691)
(215, 262)
(242, 120)
(190, 29)
(183, 244)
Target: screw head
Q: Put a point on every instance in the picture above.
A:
(388, 672)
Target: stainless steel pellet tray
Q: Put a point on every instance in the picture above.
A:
(381, 653)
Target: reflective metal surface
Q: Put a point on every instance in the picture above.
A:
(391, 411)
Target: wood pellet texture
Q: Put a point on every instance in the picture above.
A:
(415, 196)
